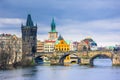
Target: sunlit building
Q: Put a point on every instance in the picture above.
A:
(87, 44)
(73, 46)
(92, 45)
(40, 46)
(82, 45)
(52, 37)
(11, 46)
(53, 34)
(49, 46)
(61, 45)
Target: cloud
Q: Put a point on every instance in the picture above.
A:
(102, 31)
(10, 21)
(104, 26)
(75, 19)
(66, 3)
(11, 26)
(74, 9)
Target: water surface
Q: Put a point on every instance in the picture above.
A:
(102, 70)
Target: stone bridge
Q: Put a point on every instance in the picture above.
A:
(87, 58)
(82, 58)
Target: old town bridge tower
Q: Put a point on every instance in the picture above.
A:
(29, 37)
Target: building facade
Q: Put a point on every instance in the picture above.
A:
(73, 46)
(10, 48)
(82, 45)
(40, 46)
(52, 37)
(92, 45)
(29, 37)
(49, 46)
(61, 45)
(87, 44)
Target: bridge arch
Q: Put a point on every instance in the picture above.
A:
(98, 55)
(69, 58)
(39, 59)
(42, 59)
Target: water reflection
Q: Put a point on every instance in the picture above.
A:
(102, 62)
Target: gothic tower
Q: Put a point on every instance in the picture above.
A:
(53, 34)
(29, 37)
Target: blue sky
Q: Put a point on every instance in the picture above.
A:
(75, 19)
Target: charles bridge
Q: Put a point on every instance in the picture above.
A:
(82, 58)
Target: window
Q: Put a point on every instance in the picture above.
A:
(62, 42)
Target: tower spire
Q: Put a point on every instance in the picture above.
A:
(60, 37)
(53, 26)
(29, 21)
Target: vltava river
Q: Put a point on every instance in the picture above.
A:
(102, 70)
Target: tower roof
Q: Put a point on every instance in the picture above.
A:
(29, 21)
(60, 37)
(53, 26)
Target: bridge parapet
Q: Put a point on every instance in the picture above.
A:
(86, 57)
(94, 53)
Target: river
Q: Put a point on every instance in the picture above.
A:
(103, 70)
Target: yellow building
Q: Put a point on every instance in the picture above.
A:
(61, 45)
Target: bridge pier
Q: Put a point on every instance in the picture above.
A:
(85, 61)
(54, 62)
(27, 61)
(116, 60)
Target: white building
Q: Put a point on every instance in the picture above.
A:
(49, 46)
(73, 46)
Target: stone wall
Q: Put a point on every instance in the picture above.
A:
(116, 59)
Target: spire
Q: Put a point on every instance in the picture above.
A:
(60, 37)
(29, 21)
(53, 26)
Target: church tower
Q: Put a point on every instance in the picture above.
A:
(53, 34)
(29, 37)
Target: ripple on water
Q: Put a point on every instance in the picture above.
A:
(27, 75)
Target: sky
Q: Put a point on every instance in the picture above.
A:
(75, 19)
